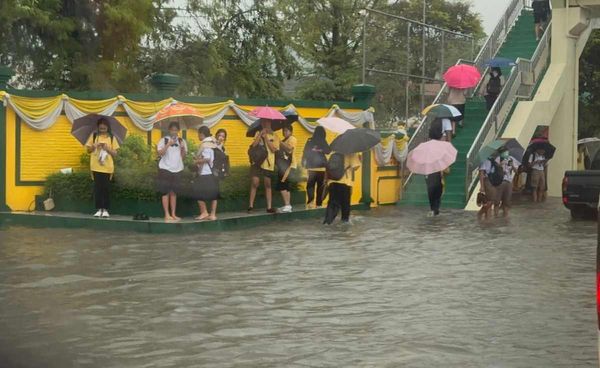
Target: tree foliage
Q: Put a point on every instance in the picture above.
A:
(589, 88)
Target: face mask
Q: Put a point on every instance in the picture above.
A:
(494, 74)
(504, 155)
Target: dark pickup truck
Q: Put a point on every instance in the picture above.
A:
(580, 192)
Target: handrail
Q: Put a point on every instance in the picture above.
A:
(487, 51)
(513, 89)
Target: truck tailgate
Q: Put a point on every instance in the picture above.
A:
(583, 186)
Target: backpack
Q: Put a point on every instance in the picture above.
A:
(436, 129)
(496, 176)
(336, 168)
(494, 86)
(258, 154)
(312, 159)
(220, 167)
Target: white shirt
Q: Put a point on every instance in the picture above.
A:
(486, 166)
(171, 160)
(446, 126)
(206, 152)
(509, 170)
(541, 161)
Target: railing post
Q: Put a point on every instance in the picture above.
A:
(442, 63)
(407, 69)
(364, 48)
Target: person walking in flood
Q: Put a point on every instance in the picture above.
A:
(538, 164)
(172, 150)
(286, 162)
(509, 166)
(341, 170)
(314, 159)
(207, 185)
(435, 181)
(102, 147)
(262, 157)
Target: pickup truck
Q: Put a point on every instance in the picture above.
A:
(580, 192)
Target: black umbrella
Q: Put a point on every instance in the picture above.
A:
(85, 126)
(290, 115)
(257, 127)
(514, 148)
(355, 140)
(545, 145)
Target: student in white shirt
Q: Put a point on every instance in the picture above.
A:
(504, 191)
(538, 163)
(172, 150)
(207, 185)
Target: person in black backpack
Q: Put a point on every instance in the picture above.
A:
(315, 161)
(491, 176)
(207, 185)
(493, 87)
(262, 163)
(340, 177)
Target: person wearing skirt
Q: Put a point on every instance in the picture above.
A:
(207, 184)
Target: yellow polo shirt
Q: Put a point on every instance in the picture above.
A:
(269, 163)
(351, 162)
(293, 142)
(108, 166)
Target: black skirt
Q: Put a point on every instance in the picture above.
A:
(206, 188)
(167, 182)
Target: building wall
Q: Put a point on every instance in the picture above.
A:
(32, 155)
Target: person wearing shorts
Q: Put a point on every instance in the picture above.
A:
(538, 163)
(540, 16)
(504, 191)
(457, 98)
(172, 151)
(266, 170)
(486, 188)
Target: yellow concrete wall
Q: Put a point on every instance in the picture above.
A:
(45, 152)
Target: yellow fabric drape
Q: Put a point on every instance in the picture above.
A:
(146, 109)
(209, 109)
(37, 108)
(93, 106)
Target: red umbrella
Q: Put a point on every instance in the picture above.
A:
(269, 113)
(462, 76)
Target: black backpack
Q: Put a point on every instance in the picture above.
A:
(257, 154)
(496, 176)
(336, 168)
(220, 167)
(494, 86)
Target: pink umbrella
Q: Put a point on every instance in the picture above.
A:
(430, 157)
(266, 112)
(334, 124)
(462, 76)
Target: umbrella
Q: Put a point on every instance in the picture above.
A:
(462, 76)
(588, 140)
(334, 124)
(187, 116)
(430, 157)
(290, 115)
(84, 127)
(514, 148)
(257, 127)
(269, 113)
(442, 111)
(355, 140)
(490, 150)
(500, 62)
(546, 146)
(592, 145)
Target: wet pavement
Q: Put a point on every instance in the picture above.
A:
(394, 289)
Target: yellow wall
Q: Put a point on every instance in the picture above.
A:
(45, 152)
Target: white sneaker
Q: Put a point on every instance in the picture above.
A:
(285, 209)
(105, 214)
(98, 214)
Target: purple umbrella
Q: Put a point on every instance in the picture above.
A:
(85, 126)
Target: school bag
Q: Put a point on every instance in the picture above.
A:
(220, 167)
(312, 159)
(336, 168)
(494, 86)
(496, 175)
(436, 129)
(258, 154)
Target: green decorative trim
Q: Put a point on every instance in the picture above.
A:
(366, 179)
(3, 158)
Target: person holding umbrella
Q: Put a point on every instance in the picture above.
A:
(264, 166)
(341, 168)
(285, 162)
(509, 165)
(494, 83)
(102, 147)
(458, 98)
(172, 150)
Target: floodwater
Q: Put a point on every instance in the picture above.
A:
(394, 289)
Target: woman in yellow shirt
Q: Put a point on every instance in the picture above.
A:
(340, 191)
(102, 147)
(267, 168)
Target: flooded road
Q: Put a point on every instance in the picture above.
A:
(395, 289)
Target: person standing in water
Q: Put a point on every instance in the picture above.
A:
(172, 150)
(435, 181)
(315, 161)
(102, 147)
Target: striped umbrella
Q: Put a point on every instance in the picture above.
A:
(442, 111)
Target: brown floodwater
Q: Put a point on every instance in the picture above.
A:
(393, 289)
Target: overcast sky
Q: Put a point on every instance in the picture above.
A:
(490, 11)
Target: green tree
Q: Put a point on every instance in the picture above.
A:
(589, 88)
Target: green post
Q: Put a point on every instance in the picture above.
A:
(363, 95)
(5, 75)
(165, 83)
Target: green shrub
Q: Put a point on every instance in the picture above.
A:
(136, 167)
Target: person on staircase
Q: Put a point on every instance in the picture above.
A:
(494, 82)
(541, 8)
(457, 98)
